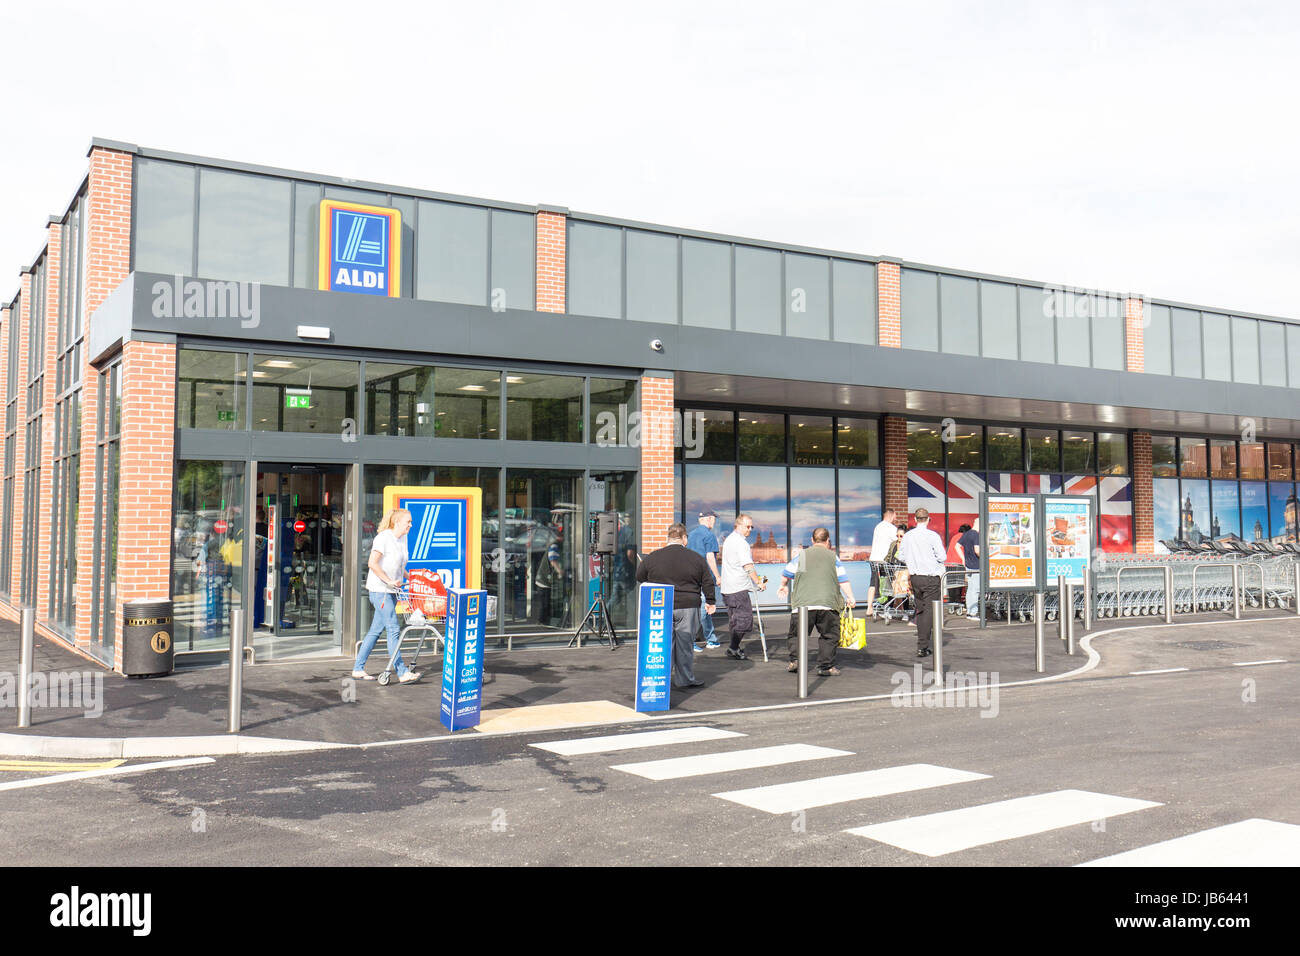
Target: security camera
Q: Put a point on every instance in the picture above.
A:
(657, 344)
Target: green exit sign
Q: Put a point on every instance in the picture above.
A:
(225, 416)
(297, 401)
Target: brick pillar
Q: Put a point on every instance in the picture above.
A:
(145, 482)
(551, 260)
(889, 304)
(49, 388)
(1133, 334)
(894, 456)
(1144, 531)
(17, 544)
(7, 316)
(657, 506)
(108, 257)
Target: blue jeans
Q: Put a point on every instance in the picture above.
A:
(972, 594)
(706, 620)
(385, 605)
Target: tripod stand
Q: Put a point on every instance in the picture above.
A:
(597, 619)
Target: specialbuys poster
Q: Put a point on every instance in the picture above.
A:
(1010, 542)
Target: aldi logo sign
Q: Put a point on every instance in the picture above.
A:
(360, 248)
(446, 531)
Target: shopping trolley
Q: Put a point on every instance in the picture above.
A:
(425, 610)
(894, 598)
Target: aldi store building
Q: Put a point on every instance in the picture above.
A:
(211, 371)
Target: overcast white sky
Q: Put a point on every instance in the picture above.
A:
(1137, 147)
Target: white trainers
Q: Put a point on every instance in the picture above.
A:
(409, 677)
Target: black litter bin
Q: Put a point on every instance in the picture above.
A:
(147, 646)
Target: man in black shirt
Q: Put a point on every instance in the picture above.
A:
(690, 576)
(970, 546)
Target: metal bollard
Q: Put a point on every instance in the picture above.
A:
(936, 639)
(1169, 594)
(1069, 621)
(1087, 599)
(1296, 584)
(1039, 665)
(25, 650)
(236, 669)
(803, 653)
(1236, 591)
(1060, 607)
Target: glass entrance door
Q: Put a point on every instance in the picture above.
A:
(300, 571)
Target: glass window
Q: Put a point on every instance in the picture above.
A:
(859, 441)
(306, 219)
(1077, 452)
(164, 217)
(1223, 459)
(1112, 453)
(1215, 333)
(812, 504)
(210, 389)
(1245, 350)
(762, 437)
(595, 258)
(758, 290)
(920, 310)
(244, 224)
(1193, 456)
(1044, 449)
(924, 445)
(514, 263)
(1165, 505)
(543, 540)
(763, 497)
(1254, 510)
(1225, 518)
(612, 402)
(998, 338)
(1186, 326)
(543, 407)
(1004, 449)
(1252, 461)
(807, 296)
(367, 196)
(206, 565)
(1279, 461)
(1108, 334)
(467, 403)
(719, 431)
(399, 400)
(711, 487)
(854, 301)
(1293, 353)
(706, 283)
(407, 209)
(1037, 326)
(1074, 328)
(297, 393)
(859, 511)
(1282, 524)
(1164, 456)
(811, 440)
(1157, 349)
(959, 315)
(1272, 353)
(1194, 514)
(966, 450)
(651, 277)
(452, 253)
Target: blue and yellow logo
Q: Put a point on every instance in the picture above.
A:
(360, 248)
(657, 597)
(471, 606)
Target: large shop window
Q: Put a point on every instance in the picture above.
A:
(297, 393)
(210, 389)
(207, 558)
(399, 400)
(543, 407)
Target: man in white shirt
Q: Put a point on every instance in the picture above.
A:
(922, 552)
(881, 538)
(738, 575)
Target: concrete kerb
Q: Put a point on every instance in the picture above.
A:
(21, 745)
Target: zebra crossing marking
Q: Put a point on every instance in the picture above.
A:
(728, 760)
(825, 791)
(649, 738)
(1252, 842)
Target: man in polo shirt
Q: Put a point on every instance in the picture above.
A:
(690, 577)
(822, 585)
(882, 537)
(704, 542)
(738, 575)
(922, 552)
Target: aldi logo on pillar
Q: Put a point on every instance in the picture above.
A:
(360, 248)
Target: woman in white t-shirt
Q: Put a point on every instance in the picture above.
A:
(387, 566)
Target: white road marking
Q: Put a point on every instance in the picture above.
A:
(824, 791)
(936, 834)
(88, 774)
(728, 761)
(1253, 663)
(1167, 670)
(650, 738)
(1251, 842)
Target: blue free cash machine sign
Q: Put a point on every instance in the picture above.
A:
(654, 647)
(462, 659)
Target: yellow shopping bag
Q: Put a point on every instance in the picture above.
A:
(853, 631)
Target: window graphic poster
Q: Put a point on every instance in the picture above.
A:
(1010, 545)
(1067, 538)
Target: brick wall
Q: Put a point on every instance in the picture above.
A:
(1143, 511)
(108, 257)
(17, 545)
(49, 387)
(7, 315)
(894, 457)
(550, 261)
(889, 304)
(1133, 334)
(657, 506)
